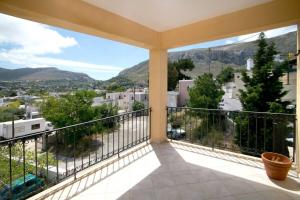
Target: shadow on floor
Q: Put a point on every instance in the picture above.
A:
(169, 171)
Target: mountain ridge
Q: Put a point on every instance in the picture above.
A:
(41, 74)
(234, 55)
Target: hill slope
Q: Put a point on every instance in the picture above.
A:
(42, 74)
(234, 55)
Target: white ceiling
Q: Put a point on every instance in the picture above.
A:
(162, 15)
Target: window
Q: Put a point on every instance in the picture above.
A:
(30, 182)
(35, 126)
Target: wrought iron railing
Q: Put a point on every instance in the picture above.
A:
(245, 132)
(31, 163)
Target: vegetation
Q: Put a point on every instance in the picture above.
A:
(115, 88)
(263, 93)
(232, 55)
(118, 84)
(11, 112)
(77, 108)
(8, 93)
(175, 71)
(206, 92)
(137, 105)
(17, 162)
(226, 75)
(264, 90)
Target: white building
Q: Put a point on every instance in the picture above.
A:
(98, 101)
(125, 100)
(250, 64)
(2, 102)
(184, 86)
(172, 99)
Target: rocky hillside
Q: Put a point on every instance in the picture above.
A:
(42, 74)
(234, 55)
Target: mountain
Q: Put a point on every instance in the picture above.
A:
(234, 55)
(41, 74)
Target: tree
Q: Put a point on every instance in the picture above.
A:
(77, 108)
(263, 93)
(175, 71)
(137, 105)
(264, 90)
(12, 111)
(206, 92)
(115, 88)
(226, 75)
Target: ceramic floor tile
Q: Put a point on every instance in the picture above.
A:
(174, 171)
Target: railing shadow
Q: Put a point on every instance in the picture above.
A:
(90, 177)
(172, 171)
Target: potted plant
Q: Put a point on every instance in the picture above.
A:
(277, 166)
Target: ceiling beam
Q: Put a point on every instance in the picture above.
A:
(266, 16)
(82, 17)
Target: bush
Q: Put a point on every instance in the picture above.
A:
(137, 105)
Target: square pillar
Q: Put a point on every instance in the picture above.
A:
(158, 76)
(298, 103)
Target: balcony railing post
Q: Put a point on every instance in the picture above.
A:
(123, 130)
(13, 126)
(56, 155)
(74, 154)
(10, 170)
(47, 158)
(24, 164)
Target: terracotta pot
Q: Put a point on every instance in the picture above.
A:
(277, 166)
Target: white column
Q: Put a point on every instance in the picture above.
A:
(158, 76)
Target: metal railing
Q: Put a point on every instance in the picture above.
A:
(244, 132)
(36, 161)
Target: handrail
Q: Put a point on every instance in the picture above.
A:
(244, 111)
(70, 126)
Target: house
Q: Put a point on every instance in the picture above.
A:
(184, 86)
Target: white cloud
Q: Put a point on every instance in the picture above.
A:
(29, 37)
(29, 44)
(269, 34)
(229, 41)
(40, 61)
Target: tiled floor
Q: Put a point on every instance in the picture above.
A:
(174, 171)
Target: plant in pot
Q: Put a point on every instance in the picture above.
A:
(277, 165)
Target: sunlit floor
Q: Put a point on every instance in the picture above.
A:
(176, 171)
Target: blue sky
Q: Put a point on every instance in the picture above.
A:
(28, 44)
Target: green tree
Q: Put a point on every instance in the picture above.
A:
(8, 113)
(264, 90)
(226, 75)
(77, 108)
(137, 105)
(175, 71)
(206, 92)
(263, 93)
(115, 88)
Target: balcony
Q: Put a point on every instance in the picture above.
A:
(199, 166)
(175, 170)
(205, 149)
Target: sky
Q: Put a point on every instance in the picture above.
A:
(25, 43)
